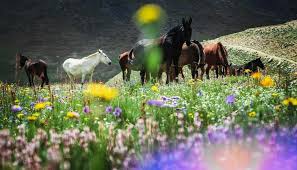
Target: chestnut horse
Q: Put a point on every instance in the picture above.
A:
(216, 56)
(190, 55)
(33, 68)
(123, 61)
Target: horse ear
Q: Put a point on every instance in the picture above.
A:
(183, 21)
(190, 20)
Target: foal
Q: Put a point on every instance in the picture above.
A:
(33, 68)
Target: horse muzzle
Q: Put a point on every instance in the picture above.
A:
(109, 63)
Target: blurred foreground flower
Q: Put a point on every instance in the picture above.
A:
(290, 101)
(256, 75)
(230, 99)
(16, 108)
(252, 114)
(40, 106)
(72, 115)
(267, 82)
(154, 88)
(101, 91)
(148, 13)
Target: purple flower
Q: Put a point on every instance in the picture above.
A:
(32, 104)
(158, 103)
(230, 99)
(108, 109)
(165, 99)
(16, 108)
(117, 111)
(86, 109)
(175, 98)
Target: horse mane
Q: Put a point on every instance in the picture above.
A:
(223, 52)
(173, 30)
(91, 55)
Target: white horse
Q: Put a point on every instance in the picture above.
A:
(85, 66)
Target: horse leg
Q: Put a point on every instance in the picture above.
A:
(168, 65)
(32, 80)
(91, 77)
(202, 72)
(193, 72)
(175, 63)
(123, 71)
(207, 71)
(142, 74)
(182, 73)
(29, 78)
(83, 80)
(147, 76)
(217, 71)
(128, 75)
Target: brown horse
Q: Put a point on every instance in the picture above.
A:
(33, 68)
(123, 61)
(216, 56)
(192, 56)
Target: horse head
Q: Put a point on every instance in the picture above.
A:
(21, 60)
(187, 29)
(103, 57)
(260, 63)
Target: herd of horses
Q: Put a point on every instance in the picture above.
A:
(177, 50)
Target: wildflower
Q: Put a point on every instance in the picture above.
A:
(247, 71)
(101, 91)
(108, 109)
(148, 14)
(230, 99)
(158, 103)
(191, 115)
(16, 101)
(154, 88)
(256, 75)
(252, 114)
(32, 118)
(36, 114)
(20, 115)
(277, 107)
(267, 82)
(86, 109)
(117, 111)
(290, 101)
(72, 115)
(16, 108)
(32, 104)
(39, 106)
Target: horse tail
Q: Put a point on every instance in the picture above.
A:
(201, 53)
(224, 54)
(130, 54)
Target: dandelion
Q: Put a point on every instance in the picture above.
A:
(290, 101)
(148, 14)
(256, 75)
(117, 111)
(267, 82)
(39, 106)
(32, 118)
(16, 108)
(108, 109)
(154, 88)
(230, 99)
(72, 115)
(252, 114)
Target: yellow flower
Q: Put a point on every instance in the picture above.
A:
(32, 118)
(252, 114)
(148, 13)
(274, 94)
(277, 107)
(20, 115)
(39, 106)
(48, 103)
(72, 115)
(101, 91)
(247, 71)
(191, 82)
(290, 101)
(16, 101)
(191, 115)
(267, 82)
(154, 88)
(256, 75)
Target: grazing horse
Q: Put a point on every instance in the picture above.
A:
(216, 56)
(170, 45)
(33, 68)
(253, 65)
(235, 70)
(85, 66)
(123, 61)
(190, 55)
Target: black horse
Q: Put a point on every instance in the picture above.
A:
(33, 68)
(252, 66)
(170, 45)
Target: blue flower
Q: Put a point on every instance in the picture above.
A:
(86, 109)
(158, 103)
(16, 108)
(117, 111)
(230, 99)
(108, 109)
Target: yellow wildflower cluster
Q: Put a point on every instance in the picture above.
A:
(42, 105)
(32, 118)
(101, 91)
(72, 115)
(148, 13)
(256, 75)
(267, 82)
(252, 114)
(155, 88)
(290, 101)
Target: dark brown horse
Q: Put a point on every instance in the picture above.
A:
(33, 68)
(252, 66)
(170, 45)
(123, 61)
(216, 56)
(192, 56)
